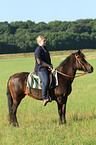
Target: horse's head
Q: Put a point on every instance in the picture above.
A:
(81, 63)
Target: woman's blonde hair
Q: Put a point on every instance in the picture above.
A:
(39, 38)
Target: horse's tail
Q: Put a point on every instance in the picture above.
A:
(9, 97)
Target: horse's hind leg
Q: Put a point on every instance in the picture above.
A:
(16, 103)
(13, 116)
(12, 104)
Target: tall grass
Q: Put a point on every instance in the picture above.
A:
(39, 125)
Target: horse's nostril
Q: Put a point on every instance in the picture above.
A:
(90, 70)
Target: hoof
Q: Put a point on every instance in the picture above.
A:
(60, 123)
(14, 124)
(64, 121)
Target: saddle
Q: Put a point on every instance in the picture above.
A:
(34, 81)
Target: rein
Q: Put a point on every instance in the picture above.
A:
(71, 76)
(76, 56)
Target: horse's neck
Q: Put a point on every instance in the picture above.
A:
(68, 68)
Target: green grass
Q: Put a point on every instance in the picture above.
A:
(39, 125)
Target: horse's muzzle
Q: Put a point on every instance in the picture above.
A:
(90, 69)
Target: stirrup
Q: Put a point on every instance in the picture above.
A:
(28, 90)
(49, 99)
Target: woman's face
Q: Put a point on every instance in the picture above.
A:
(43, 43)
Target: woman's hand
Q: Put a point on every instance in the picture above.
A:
(50, 68)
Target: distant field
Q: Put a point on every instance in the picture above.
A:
(39, 125)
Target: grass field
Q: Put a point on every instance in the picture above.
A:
(39, 125)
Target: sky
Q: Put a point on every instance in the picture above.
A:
(47, 10)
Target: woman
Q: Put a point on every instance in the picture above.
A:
(43, 64)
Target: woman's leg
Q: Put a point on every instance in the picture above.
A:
(45, 81)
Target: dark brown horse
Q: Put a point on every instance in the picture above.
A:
(16, 88)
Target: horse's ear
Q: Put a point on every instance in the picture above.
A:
(79, 51)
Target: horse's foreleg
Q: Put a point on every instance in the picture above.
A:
(64, 112)
(60, 113)
(64, 108)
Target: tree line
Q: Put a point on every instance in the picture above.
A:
(20, 37)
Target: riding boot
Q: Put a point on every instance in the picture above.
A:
(45, 102)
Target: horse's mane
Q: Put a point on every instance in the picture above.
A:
(64, 62)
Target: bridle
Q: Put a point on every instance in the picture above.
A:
(78, 62)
